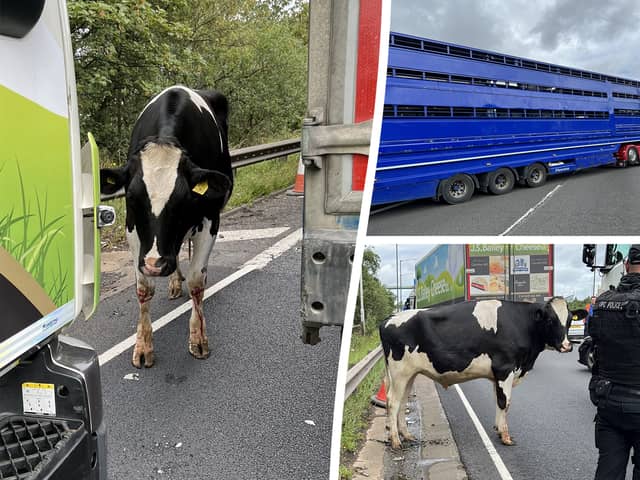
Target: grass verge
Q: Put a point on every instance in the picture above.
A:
(251, 183)
(361, 345)
(355, 419)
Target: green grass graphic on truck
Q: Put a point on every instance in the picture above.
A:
(36, 211)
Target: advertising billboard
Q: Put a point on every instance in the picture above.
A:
(440, 276)
(509, 272)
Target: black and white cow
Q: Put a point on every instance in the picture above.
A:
(493, 339)
(177, 179)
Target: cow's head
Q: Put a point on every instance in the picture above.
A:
(557, 318)
(166, 196)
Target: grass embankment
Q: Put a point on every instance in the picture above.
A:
(357, 408)
(251, 183)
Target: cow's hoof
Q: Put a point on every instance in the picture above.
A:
(199, 350)
(138, 359)
(396, 444)
(175, 290)
(507, 440)
(408, 437)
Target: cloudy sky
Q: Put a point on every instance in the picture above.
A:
(590, 34)
(572, 277)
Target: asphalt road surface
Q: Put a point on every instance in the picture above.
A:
(599, 201)
(260, 407)
(550, 419)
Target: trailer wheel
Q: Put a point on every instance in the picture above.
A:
(501, 181)
(632, 157)
(535, 175)
(457, 189)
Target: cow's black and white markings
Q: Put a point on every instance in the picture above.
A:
(497, 340)
(177, 179)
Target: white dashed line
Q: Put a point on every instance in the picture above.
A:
(531, 210)
(255, 234)
(256, 263)
(493, 453)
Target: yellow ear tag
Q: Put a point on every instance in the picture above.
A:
(201, 187)
(111, 181)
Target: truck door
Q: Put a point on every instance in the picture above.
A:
(344, 39)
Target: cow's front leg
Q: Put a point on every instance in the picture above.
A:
(145, 288)
(198, 341)
(503, 400)
(175, 284)
(203, 242)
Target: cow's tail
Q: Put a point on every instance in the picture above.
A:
(384, 342)
(386, 347)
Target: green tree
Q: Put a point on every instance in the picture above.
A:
(378, 301)
(253, 51)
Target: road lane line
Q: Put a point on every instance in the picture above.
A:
(256, 263)
(255, 234)
(531, 210)
(493, 453)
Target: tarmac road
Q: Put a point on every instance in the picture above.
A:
(550, 418)
(260, 407)
(597, 201)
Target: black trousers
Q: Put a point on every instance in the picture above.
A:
(617, 432)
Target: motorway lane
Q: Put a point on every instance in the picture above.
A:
(598, 201)
(244, 412)
(550, 418)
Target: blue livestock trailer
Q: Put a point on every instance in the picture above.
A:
(458, 119)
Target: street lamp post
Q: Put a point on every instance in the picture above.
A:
(401, 287)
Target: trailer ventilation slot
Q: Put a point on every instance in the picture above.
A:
(492, 82)
(626, 95)
(402, 41)
(25, 442)
(483, 113)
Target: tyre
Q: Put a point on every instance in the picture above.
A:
(457, 189)
(535, 175)
(633, 158)
(501, 181)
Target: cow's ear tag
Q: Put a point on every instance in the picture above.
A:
(201, 187)
(111, 180)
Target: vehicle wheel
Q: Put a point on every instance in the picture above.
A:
(633, 158)
(535, 175)
(457, 189)
(501, 181)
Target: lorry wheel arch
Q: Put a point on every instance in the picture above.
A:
(457, 189)
(501, 181)
(535, 175)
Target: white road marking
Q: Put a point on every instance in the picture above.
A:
(493, 453)
(258, 233)
(256, 263)
(531, 210)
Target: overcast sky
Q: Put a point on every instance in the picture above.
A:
(571, 277)
(591, 34)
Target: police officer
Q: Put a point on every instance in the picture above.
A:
(615, 384)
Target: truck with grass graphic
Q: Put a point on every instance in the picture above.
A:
(51, 421)
(454, 273)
